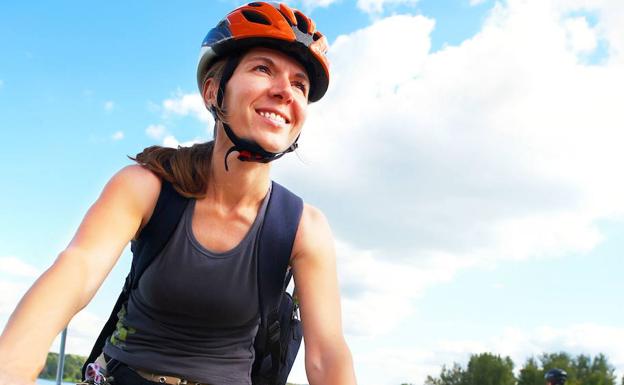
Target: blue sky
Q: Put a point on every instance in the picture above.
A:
(466, 156)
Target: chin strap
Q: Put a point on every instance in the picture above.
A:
(248, 150)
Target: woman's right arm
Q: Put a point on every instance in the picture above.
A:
(70, 283)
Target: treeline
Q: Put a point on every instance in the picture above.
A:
(490, 369)
(71, 369)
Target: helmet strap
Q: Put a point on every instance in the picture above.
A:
(248, 150)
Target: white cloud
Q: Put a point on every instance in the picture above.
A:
(477, 2)
(171, 141)
(15, 267)
(181, 105)
(188, 104)
(581, 38)
(82, 332)
(109, 105)
(504, 147)
(119, 135)
(311, 4)
(10, 294)
(377, 6)
(389, 365)
(374, 280)
(155, 131)
(521, 344)
(16, 276)
(454, 150)
(609, 14)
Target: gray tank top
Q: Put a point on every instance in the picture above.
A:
(195, 312)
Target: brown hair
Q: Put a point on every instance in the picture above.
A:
(187, 168)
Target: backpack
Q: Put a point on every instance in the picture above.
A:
(280, 332)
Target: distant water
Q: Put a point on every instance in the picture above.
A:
(41, 381)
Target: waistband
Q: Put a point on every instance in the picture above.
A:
(113, 364)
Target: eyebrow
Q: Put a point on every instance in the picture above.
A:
(270, 62)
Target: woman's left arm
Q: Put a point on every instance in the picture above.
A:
(327, 356)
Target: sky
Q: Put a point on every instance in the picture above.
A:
(466, 155)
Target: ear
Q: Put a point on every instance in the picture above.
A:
(209, 93)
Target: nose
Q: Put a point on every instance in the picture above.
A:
(282, 89)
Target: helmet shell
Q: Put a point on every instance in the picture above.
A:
(556, 376)
(271, 25)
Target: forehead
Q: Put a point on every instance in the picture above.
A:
(275, 57)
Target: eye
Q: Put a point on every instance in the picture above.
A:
(262, 68)
(301, 86)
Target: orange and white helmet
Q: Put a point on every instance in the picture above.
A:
(272, 25)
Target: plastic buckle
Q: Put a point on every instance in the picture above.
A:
(274, 332)
(274, 328)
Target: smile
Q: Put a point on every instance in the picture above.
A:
(274, 117)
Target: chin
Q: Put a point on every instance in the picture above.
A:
(275, 148)
(275, 144)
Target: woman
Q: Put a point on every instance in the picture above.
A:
(259, 69)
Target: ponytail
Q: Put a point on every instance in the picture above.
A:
(186, 168)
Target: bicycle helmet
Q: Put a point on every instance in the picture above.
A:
(556, 376)
(272, 25)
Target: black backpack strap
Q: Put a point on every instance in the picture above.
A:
(156, 233)
(152, 239)
(275, 244)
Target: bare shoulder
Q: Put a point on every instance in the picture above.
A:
(314, 236)
(136, 177)
(313, 219)
(137, 188)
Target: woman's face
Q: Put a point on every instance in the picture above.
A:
(266, 98)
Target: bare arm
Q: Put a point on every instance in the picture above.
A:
(327, 357)
(73, 279)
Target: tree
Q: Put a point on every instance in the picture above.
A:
(489, 369)
(49, 370)
(452, 376)
(563, 361)
(531, 374)
(601, 372)
(582, 369)
(582, 366)
(71, 369)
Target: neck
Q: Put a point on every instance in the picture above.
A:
(246, 183)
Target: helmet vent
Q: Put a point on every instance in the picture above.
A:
(288, 14)
(302, 22)
(254, 4)
(317, 35)
(256, 17)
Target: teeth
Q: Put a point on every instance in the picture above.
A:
(273, 116)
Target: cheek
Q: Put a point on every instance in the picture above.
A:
(238, 91)
(302, 113)
(233, 103)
